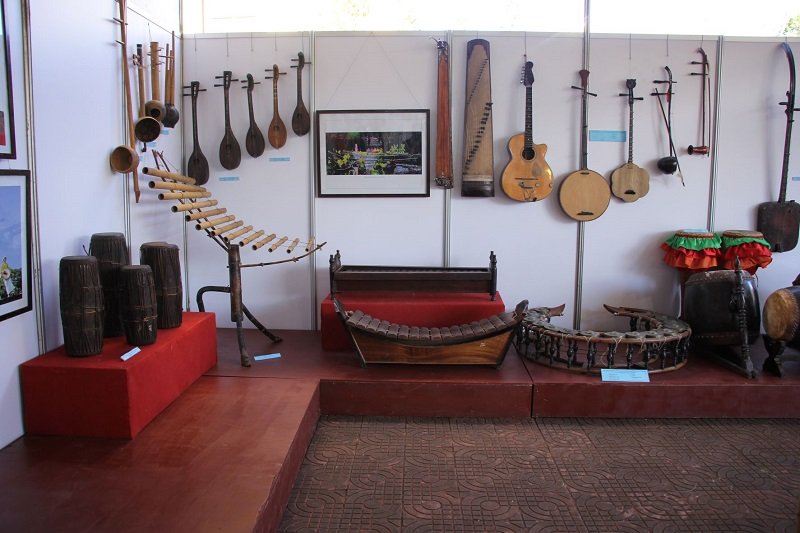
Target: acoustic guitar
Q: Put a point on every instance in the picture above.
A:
(584, 195)
(527, 176)
(630, 181)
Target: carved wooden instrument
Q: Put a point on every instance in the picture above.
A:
(254, 140)
(584, 195)
(197, 164)
(705, 98)
(527, 176)
(277, 129)
(147, 128)
(301, 121)
(444, 130)
(780, 221)
(478, 167)
(171, 114)
(124, 158)
(668, 164)
(230, 154)
(155, 107)
(630, 181)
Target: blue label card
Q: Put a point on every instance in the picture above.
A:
(617, 136)
(795, 178)
(625, 374)
(228, 178)
(273, 159)
(165, 131)
(267, 356)
(130, 354)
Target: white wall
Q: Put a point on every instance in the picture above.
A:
(536, 244)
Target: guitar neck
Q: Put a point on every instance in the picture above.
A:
(630, 133)
(584, 131)
(528, 118)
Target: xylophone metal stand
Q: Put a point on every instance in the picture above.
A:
(238, 309)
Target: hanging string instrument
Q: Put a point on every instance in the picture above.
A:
(277, 129)
(584, 195)
(444, 130)
(705, 103)
(478, 167)
(197, 164)
(667, 164)
(254, 140)
(301, 121)
(780, 221)
(527, 176)
(630, 181)
(230, 153)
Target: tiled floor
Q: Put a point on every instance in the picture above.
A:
(571, 475)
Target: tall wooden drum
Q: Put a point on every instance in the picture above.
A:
(138, 304)
(81, 299)
(164, 259)
(111, 252)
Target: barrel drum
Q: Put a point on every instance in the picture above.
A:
(710, 308)
(111, 251)
(138, 304)
(164, 260)
(81, 302)
(782, 316)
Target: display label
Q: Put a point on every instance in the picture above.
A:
(228, 178)
(267, 356)
(128, 355)
(617, 136)
(625, 374)
(273, 159)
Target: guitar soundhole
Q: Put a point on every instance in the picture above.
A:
(528, 153)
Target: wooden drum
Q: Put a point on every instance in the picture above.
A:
(138, 304)
(782, 315)
(164, 260)
(711, 310)
(81, 299)
(111, 252)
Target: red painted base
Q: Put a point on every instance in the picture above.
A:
(431, 309)
(103, 396)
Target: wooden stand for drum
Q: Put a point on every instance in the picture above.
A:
(722, 308)
(781, 326)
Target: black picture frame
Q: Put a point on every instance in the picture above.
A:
(373, 153)
(15, 243)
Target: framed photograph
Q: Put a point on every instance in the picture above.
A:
(15, 243)
(8, 146)
(373, 153)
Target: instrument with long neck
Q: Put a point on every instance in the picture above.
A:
(478, 168)
(277, 129)
(584, 195)
(630, 181)
(444, 130)
(301, 121)
(230, 153)
(197, 164)
(254, 139)
(705, 96)
(171, 114)
(780, 221)
(527, 176)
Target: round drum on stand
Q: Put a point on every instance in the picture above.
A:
(138, 304)
(749, 246)
(111, 252)
(164, 259)
(81, 300)
(781, 326)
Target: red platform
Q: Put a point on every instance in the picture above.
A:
(103, 396)
(431, 309)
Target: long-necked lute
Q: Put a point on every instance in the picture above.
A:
(230, 153)
(197, 164)
(477, 176)
(584, 195)
(254, 140)
(444, 129)
(527, 176)
(630, 181)
(301, 121)
(277, 129)
(780, 221)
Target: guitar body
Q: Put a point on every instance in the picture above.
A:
(301, 121)
(197, 166)
(526, 179)
(277, 132)
(780, 223)
(230, 153)
(630, 182)
(584, 195)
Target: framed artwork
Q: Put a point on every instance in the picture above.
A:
(15, 243)
(373, 153)
(8, 147)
